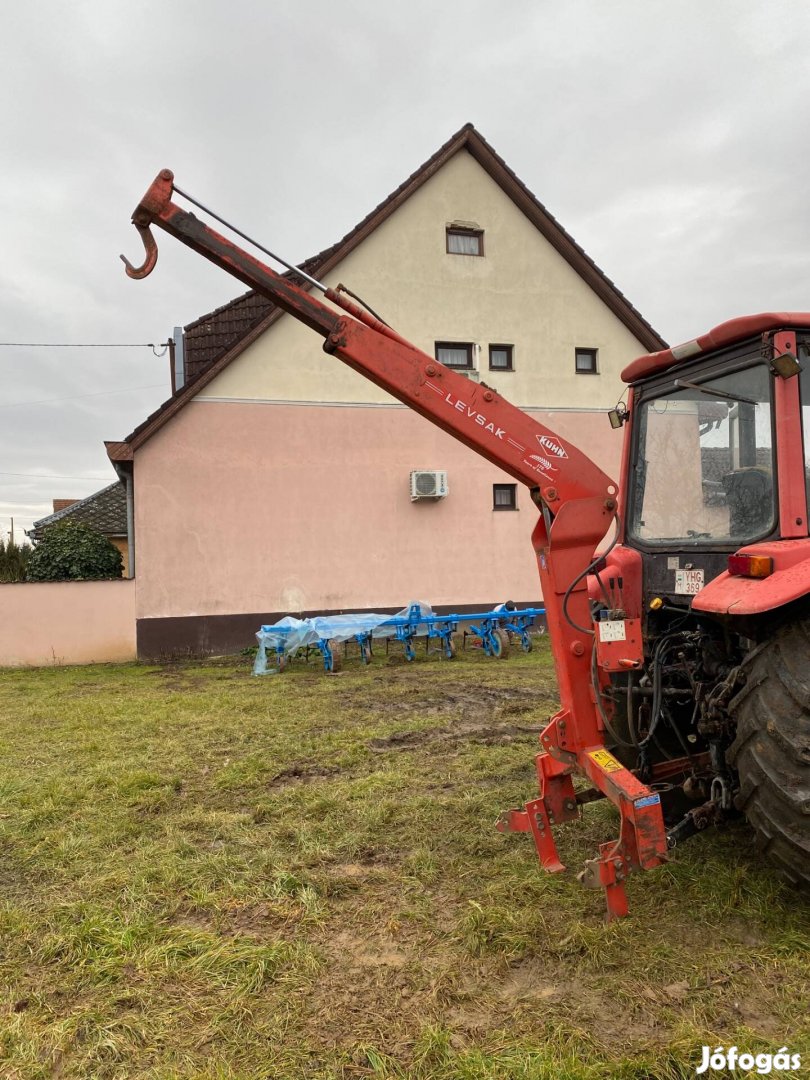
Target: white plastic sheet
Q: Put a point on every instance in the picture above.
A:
(289, 634)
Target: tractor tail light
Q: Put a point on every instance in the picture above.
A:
(754, 566)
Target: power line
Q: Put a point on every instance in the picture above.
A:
(54, 476)
(77, 397)
(82, 345)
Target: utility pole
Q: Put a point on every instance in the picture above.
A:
(12, 532)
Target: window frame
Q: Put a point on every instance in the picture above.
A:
(510, 354)
(740, 359)
(463, 230)
(593, 354)
(512, 491)
(469, 348)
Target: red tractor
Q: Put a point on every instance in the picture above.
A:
(682, 647)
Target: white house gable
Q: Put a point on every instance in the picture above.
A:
(521, 294)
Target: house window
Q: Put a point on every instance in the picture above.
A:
(500, 358)
(455, 354)
(585, 361)
(464, 241)
(504, 496)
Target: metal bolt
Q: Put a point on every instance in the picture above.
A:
(430, 369)
(577, 648)
(551, 495)
(488, 395)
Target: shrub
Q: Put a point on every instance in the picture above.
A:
(74, 552)
(13, 559)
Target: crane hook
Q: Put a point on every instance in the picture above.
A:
(150, 246)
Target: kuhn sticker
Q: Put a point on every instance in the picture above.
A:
(551, 446)
(544, 463)
(537, 467)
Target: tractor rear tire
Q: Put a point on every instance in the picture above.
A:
(771, 751)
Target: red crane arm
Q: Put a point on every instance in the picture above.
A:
(578, 503)
(473, 413)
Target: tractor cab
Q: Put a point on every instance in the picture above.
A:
(715, 458)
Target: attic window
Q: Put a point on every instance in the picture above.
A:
(585, 361)
(464, 241)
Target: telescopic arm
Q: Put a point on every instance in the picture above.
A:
(577, 502)
(473, 413)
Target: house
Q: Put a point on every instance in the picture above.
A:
(276, 480)
(105, 511)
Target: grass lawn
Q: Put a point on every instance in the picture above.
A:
(205, 874)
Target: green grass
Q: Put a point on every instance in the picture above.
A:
(208, 875)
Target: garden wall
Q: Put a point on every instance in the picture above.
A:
(66, 622)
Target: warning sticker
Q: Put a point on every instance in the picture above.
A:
(612, 630)
(605, 760)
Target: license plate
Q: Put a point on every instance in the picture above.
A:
(688, 582)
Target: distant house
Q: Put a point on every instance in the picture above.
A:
(106, 512)
(276, 480)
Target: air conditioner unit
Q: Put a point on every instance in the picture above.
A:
(428, 484)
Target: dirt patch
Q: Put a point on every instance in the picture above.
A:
(370, 983)
(486, 734)
(353, 954)
(193, 920)
(537, 983)
(476, 702)
(180, 682)
(302, 773)
(367, 866)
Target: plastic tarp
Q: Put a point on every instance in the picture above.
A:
(290, 634)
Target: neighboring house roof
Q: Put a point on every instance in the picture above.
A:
(217, 339)
(106, 511)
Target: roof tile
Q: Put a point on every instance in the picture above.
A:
(105, 511)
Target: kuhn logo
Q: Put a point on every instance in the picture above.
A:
(552, 447)
(543, 462)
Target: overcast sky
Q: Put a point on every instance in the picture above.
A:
(668, 136)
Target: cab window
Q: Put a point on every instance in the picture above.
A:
(704, 471)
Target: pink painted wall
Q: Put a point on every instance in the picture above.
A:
(67, 622)
(255, 507)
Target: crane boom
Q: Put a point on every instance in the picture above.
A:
(473, 413)
(578, 504)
